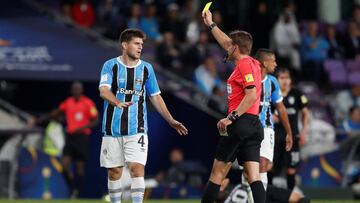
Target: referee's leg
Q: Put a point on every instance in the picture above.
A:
(252, 174)
(218, 173)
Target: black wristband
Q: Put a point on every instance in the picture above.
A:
(233, 116)
(212, 26)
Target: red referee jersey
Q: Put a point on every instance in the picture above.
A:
(78, 113)
(247, 73)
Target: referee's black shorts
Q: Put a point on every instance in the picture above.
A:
(243, 140)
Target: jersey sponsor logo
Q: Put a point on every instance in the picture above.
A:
(104, 78)
(122, 80)
(304, 100)
(132, 92)
(249, 78)
(228, 88)
(266, 103)
(291, 111)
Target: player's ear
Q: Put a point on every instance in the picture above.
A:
(124, 45)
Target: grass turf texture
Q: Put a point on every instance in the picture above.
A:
(149, 201)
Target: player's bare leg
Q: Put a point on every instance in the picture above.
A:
(252, 174)
(114, 184)
(265, 166)
(137, 182)
(218, 174)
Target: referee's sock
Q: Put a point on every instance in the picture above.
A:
(258, 191)
(290, 181)
(210, 192)
(137, 189)
(115, 190)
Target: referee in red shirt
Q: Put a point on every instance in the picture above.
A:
(241, 130)
(81, 115)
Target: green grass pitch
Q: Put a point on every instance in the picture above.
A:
(148, 201)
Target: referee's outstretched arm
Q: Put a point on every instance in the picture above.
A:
(220, 36)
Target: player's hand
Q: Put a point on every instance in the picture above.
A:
(124, 104)
(289, 142)
(302, 138)
(207, 16)
(276, 119)
(179, 127)
(222, 125)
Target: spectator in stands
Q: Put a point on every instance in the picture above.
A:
(149, 24)
(314, 52)
(261, 17)
(82, 12)
(352, 41)
(193, 29)
(168, 53)
(175, 174)
(184, 171)
(172, 22)
(286, 39)
(345, 100)
(196, 53)
(206, 76)
(336, 50)
(135, 15)
(352, 123)
(66, 8)
(81, 115)
(188, 11)
(110, 18)
(356, 15)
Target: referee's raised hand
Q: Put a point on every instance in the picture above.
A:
(179, 127)
(207, 16)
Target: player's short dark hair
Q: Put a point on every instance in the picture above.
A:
(128, 34)
(243, 39)
(262, 53)
(282, 70)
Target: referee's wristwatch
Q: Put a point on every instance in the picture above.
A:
(212, 26)
(233, 116)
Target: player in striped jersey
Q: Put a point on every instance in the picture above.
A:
(125, 82)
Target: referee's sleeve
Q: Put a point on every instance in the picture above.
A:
(106, 75)
(246, 76)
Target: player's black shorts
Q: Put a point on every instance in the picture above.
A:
(282, 158)
(76, 146)
(243, 140)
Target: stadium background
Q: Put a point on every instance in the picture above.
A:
(43, 49)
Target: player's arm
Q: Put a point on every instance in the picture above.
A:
(107, 95)
(160, 106)
(248, 100)
(280, 107)
(305, 121)
(54, 113)
(220, 36)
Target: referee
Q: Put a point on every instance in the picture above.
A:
(241, 130)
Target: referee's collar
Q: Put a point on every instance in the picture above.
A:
(122, 63)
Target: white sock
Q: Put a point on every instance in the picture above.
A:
(137, 189)
(115, 190)
(264, 179)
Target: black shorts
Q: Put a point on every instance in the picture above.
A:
(76, 146)
(283, 158)
(243, 140)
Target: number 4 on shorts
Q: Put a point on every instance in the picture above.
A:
(141, 141)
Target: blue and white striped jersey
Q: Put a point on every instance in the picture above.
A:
(270, 94)
(128, 84)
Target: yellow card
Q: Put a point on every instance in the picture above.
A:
(207, 6)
